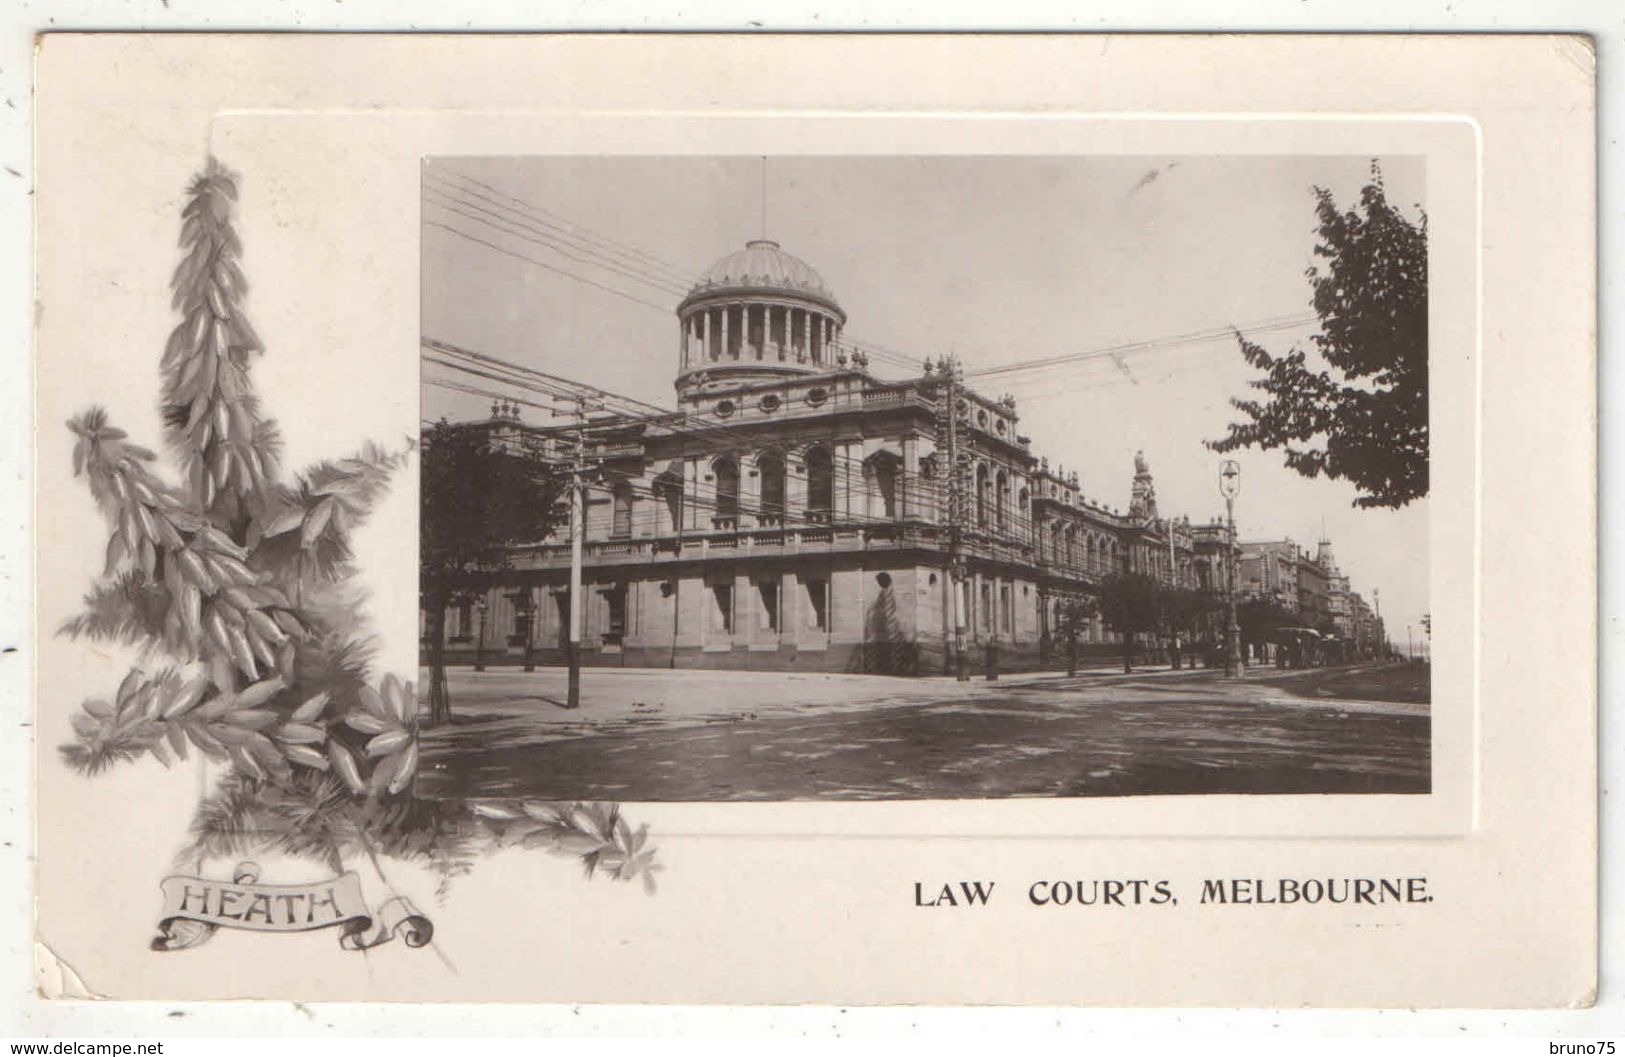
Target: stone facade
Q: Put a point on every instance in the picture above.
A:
(792, 514)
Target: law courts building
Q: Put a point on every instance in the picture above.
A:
(793, 513)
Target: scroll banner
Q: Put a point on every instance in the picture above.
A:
(196, 907)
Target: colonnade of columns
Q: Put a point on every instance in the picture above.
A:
(742, 331)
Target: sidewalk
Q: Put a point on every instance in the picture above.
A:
(517, 707)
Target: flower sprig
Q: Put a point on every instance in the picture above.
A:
(264, 728)
(594, 833)
(231, 575)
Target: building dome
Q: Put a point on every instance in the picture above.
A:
(762, 266)
(758, 314)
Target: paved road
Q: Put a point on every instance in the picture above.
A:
(740, 736)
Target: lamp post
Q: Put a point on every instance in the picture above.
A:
(1229, 486)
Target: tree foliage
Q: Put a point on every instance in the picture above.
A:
(1185, 608)
(1130, 603)
(1260, 618)
(1360, 413)
(1073, 614)
(479, 496)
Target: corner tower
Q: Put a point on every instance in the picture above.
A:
(756, 315)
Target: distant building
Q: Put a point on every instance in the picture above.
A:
(1269, 570)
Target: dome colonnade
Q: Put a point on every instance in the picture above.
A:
(757, 313)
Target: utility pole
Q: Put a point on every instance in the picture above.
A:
(578, 528)
(956, 562)
(1229, 486)
(1173, 580)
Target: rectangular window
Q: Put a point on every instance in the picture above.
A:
(615, 614)
(722, 601)
(984, 614)
(1006, 609)
(818, 603)
(768, 614)
(519, 626)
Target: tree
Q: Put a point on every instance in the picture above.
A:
(1363, 416)
(478, 497)
(234, 582)
(1259, 620)
(1072, 616)
(1184, 610)
(1130, 604)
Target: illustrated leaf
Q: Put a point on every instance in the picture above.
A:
(316, 521)
(251, 718)
(345, 767)
(408, 767)
(312, 707)
(367, 723)
(260, 692)
(177, 739)
(388, 742)
(306, 756)
(383, 774)
(301, 734)
(496, 809)
(372, 702)
(289, 519)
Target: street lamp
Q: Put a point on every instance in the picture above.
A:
(479, 643)
(1229, 486)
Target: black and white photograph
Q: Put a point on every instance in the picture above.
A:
(924, 477)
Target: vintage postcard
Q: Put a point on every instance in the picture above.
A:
(977, 520)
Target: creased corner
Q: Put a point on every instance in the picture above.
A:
(1580, 51)
(55, 978)
(1587, 1000)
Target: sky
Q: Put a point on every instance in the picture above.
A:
(998, 260)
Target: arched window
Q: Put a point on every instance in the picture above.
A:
(727, 475)
(771, 467)
(881, 471)
(1089, 554)
(1024, 510)
(1055, 531)
(820, 485)
(1001, 501)
(1071, 546)
(621, 510)
(982, 486)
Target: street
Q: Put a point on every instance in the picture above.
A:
(654, 734)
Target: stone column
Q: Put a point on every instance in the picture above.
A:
(795, 487)
(848, 472)
(909, 480)
(750, 491)
(691, 493)
(726, 327)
